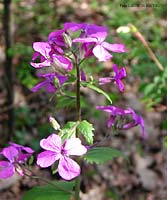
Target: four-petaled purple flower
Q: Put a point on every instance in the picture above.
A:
(55, 150)
(116, 111)
(49, 83)
(96, 35)
(119, 74)
(15, 155)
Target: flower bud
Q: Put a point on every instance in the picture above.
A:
(67, 40)
(54, 123)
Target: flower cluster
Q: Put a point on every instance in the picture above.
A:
(61, 54)
(57, 53)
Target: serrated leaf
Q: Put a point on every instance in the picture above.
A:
(93, 87)
(49, 192)
(100, 155)
(86, 129)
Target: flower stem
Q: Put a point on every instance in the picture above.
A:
(78, 113)
(78, 101)
(46, 181)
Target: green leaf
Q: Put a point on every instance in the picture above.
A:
(49, 192)
(93, 87)
(68, 130)
(86, 129)
(149, 88)
(100, 155)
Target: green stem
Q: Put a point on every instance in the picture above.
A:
(78, 110)
(47, 181)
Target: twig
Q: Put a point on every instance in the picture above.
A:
(138, 35)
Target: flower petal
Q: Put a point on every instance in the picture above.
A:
(111, 121)
(105, 80)
(73, 146)
(6, 169)
(62, 61)
(101, 53)
(68, 168)
(43, 48)
(51, 88)
(85, 40)
(74, 26)
(20, 147)
(46, 63)
(119, 48)
(52, 143)
(47, 158)
(10, 153)
(39, 85)
(120, 85)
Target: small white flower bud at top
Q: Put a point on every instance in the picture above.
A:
(54, 123)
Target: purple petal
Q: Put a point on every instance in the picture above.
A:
(137, 120)
(47, 158)
(122, 73)
(68, 168)
(52, 143)
(74, 26)
(50, 87)
(61, 78)
(85, 40)
(38, 86)
(96, 31)
(101, 53)
(119, 48)
(111, 121)
(120, 85)
(105, 80)
(63, 62)
(87, 47)
(35, 56)
(20, 147)
(10, 153)
(57, 38)
(73, 146)
(6, 169)
(115, 68)
(22, 157)
(112, 109)
(46, 63)
(43, 48)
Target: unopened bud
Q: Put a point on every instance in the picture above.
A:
(67, 40)
(54, 123)
(123, 29)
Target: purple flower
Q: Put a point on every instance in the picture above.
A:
(116, 111)
(55, 150)
(15, 157)
(119, 74)
(137, 120)
(49, 83)
(96, 35)
(50, 54)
